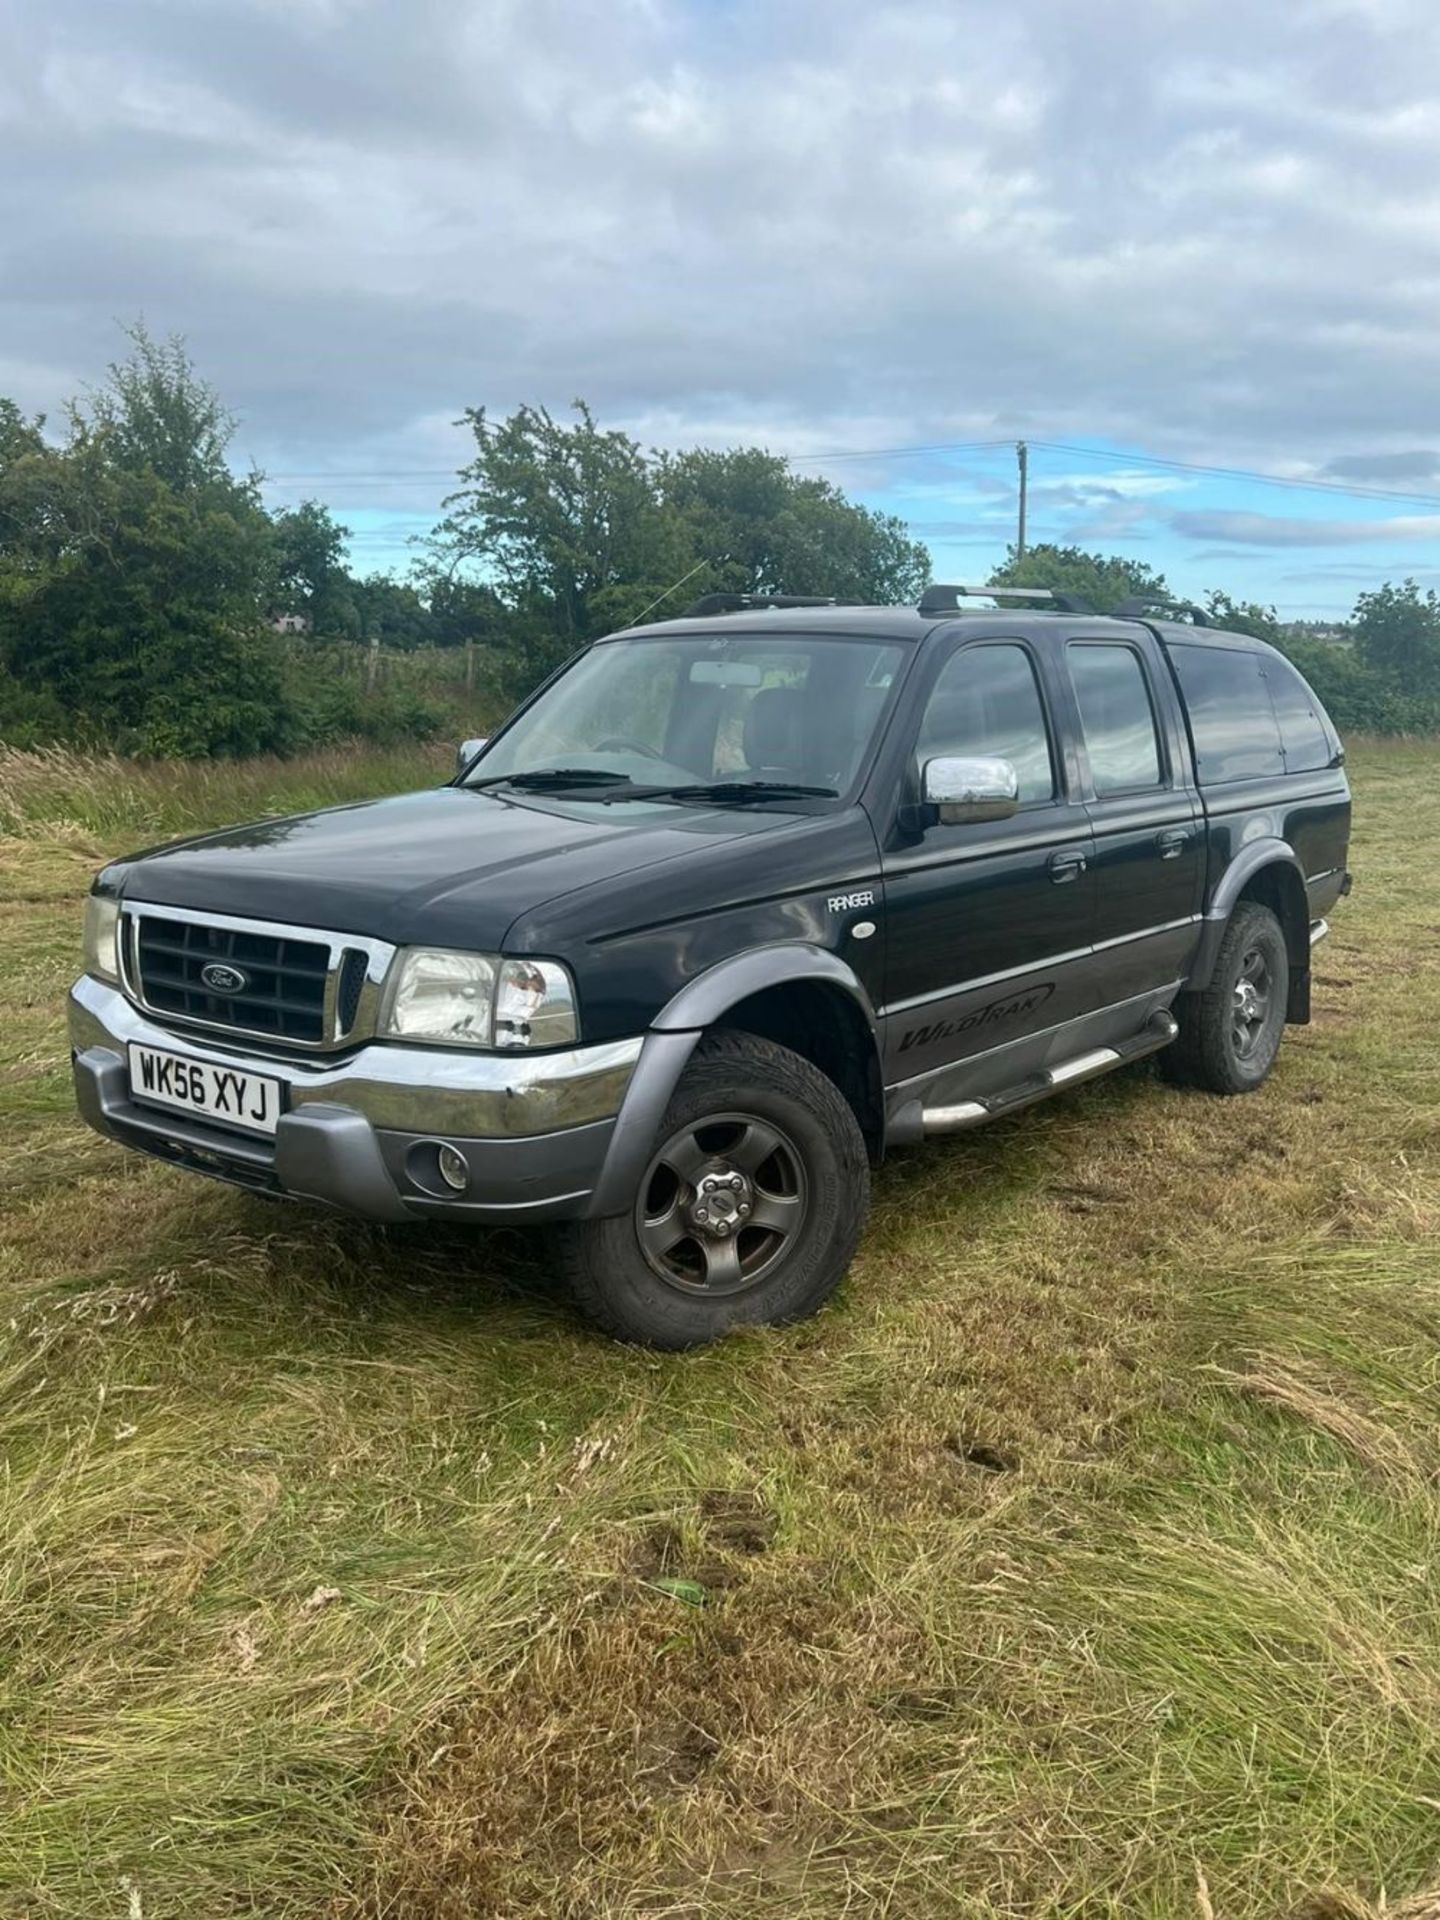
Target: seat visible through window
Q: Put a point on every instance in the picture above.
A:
(774, 732)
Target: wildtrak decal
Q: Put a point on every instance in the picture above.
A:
(1014, 1006)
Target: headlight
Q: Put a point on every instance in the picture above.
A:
(440, 995)
(477, 1000)
(102, 921)
(535, 1005)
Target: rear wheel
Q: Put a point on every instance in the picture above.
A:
(1230, 1033)
(749, 1210)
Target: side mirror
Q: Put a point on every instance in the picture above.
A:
(965, 791)
(466, 752)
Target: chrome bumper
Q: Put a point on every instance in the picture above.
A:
(359, 1134)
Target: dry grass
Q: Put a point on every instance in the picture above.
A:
(57, 794)
(1078, 1561)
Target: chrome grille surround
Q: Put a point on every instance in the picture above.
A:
(320, 991)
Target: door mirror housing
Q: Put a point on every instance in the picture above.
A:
(466, 752)
(964, 791)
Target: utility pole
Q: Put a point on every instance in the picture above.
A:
(1022, 455)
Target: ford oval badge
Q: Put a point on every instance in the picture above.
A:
(223, 978)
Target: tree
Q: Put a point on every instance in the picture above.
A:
(1102, 580)
(464, 612)
(565, 519)
(310, 573)
(19, 438)
(391, 613)
(1244, 616)
(149, 635)
(580, 532)
(1397, 634)
(759, 528)
(156, 415)
(34, 505)
(132, 564)
(32, 510)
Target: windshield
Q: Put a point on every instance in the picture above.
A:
(697, 710)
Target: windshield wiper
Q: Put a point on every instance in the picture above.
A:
(619, 786)
(725, 792)
(539, 779)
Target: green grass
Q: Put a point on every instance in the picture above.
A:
(1078, 1561)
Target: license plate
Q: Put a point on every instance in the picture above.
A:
(223, 1094)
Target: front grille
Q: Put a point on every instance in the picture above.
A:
(353, 969)
(282, 980)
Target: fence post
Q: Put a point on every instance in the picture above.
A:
(372, 663)
(469, 666)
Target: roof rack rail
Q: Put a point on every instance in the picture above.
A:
(1139, 604)
(709, 603)
(946, 599)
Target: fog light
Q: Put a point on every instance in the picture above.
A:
(454, 1170)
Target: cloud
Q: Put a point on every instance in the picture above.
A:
(1124, 520)
(1209, 231)
(1270, 530)
(1387, 469)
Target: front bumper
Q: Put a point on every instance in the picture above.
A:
(360, 1134)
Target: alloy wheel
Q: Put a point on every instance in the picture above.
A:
(1251, 1010)
(721, 1204)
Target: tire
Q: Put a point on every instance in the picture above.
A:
(1230, 1033)
(771, 1248)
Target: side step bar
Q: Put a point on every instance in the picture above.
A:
(1158, 1032)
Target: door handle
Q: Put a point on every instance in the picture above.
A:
(1173, 843)
(1066, 866)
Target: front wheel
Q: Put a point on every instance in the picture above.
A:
(1231, 1032)
(750, 1208)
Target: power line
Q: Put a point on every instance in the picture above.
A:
(1241, 473)
(894, 453)
(377, 477)
(837, 456)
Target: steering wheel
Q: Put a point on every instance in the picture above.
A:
(618, 744)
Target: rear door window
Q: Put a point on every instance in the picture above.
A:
(1231, 719)
(1116, 717)
(1305, 734)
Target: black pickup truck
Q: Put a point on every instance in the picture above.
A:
(731, 906)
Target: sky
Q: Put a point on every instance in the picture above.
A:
(1202, 232)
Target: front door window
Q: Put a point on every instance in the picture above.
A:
(986, 704)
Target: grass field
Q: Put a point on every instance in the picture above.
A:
(1079, 1560)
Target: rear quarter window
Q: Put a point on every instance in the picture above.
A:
(1308, 739)
(1232, 721)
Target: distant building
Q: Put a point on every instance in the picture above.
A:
(290, 622)
(1330, 633)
